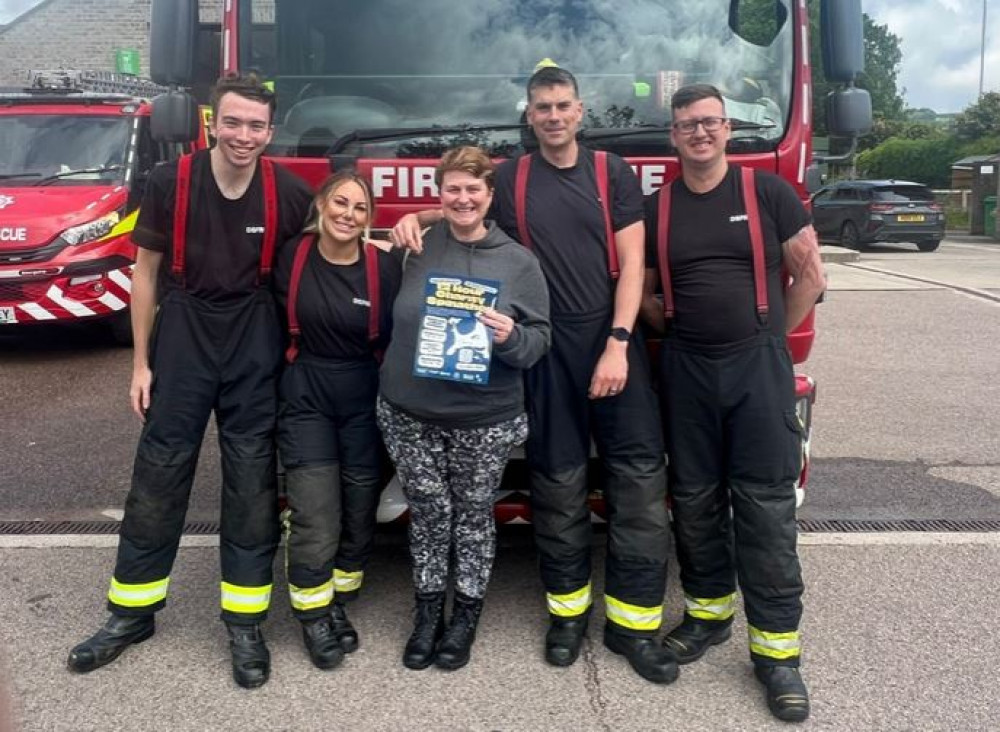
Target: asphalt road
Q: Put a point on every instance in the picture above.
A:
(900, 628)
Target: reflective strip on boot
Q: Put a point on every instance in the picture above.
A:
(571, 604)
(348, 581)
(247, 600)
(633, 617)
(710, 608)
(141, 595)
(309, 598)
(779, 646)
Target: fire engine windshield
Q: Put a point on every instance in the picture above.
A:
(395, 64)
(62, 150)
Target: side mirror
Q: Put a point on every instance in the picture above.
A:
(842, 29)
(174, 118)
(814, 179)
(848, 112)
(173, 29)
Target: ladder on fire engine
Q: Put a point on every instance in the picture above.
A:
(100, 82)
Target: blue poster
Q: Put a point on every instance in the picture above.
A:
(452, 344)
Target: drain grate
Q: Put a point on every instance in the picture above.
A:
(90, 528)
(810, 526)
(859, 526)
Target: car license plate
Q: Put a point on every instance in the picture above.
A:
(7, 315)
(910, 217)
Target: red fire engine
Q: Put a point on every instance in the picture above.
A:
(78, 151)
(386, 86)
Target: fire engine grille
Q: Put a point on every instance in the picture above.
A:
(809, 526)
(22, 291)
(27, 256)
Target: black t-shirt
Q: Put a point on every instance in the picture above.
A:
(225, 237)
(711, 258)
(333, 303)
(566, 223)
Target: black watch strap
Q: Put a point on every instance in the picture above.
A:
(620, 334)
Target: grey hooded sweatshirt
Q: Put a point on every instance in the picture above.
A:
(523, 296)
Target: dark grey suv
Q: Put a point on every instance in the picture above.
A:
(860, 212)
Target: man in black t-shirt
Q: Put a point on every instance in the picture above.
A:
(207, 338)
(594, 383)
(728, 392)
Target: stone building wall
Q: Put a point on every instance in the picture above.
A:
(84, 34)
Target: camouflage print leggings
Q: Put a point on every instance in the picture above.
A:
(450, 478)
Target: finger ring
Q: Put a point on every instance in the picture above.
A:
(612, 391)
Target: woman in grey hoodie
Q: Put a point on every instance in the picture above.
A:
(472, 313)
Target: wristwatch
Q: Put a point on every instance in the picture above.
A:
(620, 334)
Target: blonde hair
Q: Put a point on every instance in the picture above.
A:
(330, 186)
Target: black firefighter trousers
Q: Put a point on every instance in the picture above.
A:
(331, 448)
(205, 357)
(734, 446)
(626, 431)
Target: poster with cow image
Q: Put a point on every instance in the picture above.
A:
(452, 343)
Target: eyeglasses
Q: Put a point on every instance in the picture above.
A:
(688, 126)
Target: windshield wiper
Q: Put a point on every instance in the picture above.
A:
(81, 171)
(738, 125)
(404, 133)
(11, 176)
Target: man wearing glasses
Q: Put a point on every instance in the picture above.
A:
(209, 341)
(717, 240)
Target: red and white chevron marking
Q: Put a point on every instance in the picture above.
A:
(58, 304)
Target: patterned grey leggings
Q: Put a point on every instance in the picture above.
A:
(450, 478)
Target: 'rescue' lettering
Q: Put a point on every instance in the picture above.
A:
(13, 233)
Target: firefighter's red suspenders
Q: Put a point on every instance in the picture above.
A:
(600, 172)
(756, 243)
(371, 281)
(182, 201)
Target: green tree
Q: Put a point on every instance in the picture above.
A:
(924, 160)
(980, 119)
(882, 59)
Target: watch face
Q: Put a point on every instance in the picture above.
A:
(620, 334)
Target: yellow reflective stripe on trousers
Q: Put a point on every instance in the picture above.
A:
(710, 608)
(142, 595)
(248, 600)
(347, 581)
(633, 617)
(571, 604)
(309, 598)
(775, 645)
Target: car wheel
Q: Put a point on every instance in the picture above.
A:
(120, 325)
(849, 238)
(928, 246)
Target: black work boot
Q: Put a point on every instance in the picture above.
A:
(251, 659)
(565, 638)
(786, 693)
(651, 660)
(117, 634)
(692, 638)
(321, 641)
(344, 632)
(456, 644)
(428, 626)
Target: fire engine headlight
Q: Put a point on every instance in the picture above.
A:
(91, 230)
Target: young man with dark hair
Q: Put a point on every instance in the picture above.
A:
(720, 236)
(209, 341)
(581, 214)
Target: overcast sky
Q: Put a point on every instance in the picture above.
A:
(940, 41)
